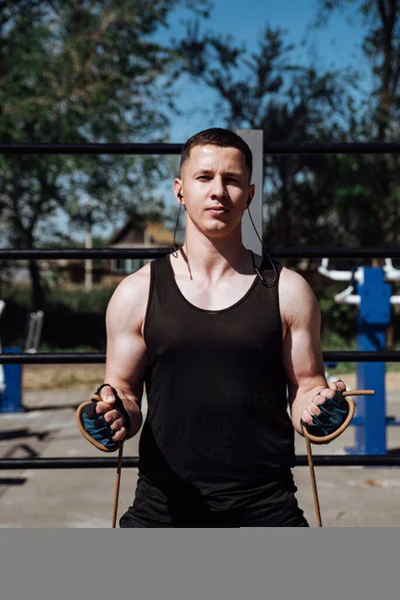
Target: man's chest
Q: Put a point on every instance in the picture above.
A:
(215, 296)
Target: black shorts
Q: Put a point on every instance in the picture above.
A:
(129, 521)
(270, 503)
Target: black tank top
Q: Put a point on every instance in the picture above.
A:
(217, 415)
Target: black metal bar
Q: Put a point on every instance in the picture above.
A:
(15, 464)
(335, 252)
(76, 253)
(168, 148)
(104, 253)
(98, 149)
(101, 462)
(332, 148)
(54, 358)
(358, 356)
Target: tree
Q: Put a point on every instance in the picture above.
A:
(381, 46)
(81, 71)
(367, 193)
(315, 200)
(268, 90)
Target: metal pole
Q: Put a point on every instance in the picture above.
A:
(373, 318)
(132, 462)
(88, 261)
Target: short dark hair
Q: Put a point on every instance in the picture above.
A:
(216, 136)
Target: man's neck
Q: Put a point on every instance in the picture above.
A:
(213, 259)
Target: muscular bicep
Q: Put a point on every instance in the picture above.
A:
(126, 362)
(126, 356)
(302, 355)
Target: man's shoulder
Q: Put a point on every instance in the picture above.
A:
(131, 295)
(290, 280)
(136, 283)
(296, 297)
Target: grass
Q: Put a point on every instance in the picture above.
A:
(76, 299)
(48, 377)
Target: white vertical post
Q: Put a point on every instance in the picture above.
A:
(2, 377)
(88, 243)
(88, 261)
(255, 140)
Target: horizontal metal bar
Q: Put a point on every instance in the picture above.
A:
(335, 252)
(11, 464)
(100, 357)
(53, 358)
(278, 252)
(76, 253)
(97, 149)
(359, 356)
(16, 464)
(167, 148)
(333, 148)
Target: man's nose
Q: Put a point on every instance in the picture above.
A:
(218, 187)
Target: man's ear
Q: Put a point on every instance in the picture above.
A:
(250, 197)
(178, 190)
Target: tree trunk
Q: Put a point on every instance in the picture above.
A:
(37, 291)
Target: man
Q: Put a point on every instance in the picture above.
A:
(222, 339)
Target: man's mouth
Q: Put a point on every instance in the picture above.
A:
(217, 210)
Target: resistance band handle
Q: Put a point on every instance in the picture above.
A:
(94, 428)
(325, 439)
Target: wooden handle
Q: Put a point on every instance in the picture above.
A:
(358, 393)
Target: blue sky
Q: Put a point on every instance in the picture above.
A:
(337, 45)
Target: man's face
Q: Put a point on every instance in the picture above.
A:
(215, 187)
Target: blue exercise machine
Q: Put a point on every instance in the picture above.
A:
(11, 375)
(371, 291)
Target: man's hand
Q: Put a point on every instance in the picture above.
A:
(112, 416)
(319, 398)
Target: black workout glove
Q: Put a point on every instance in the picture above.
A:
(94, 427)
(333, 414)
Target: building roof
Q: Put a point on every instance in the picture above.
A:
(132, 234)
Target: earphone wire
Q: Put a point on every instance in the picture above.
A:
(265, 253)
(175, 247)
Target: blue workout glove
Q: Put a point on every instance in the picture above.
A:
(94, 427)
(334, 412)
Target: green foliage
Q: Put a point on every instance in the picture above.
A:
(339, 323)
(82, 301)
(268, 90)
(84, 71)
(72, 319)
(78, 299)
(323, 200)
(366, 197)
(78, 71)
